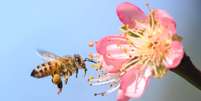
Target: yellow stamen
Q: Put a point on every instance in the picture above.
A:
(90, 78)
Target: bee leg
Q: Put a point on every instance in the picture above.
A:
(85, 71)
(56, 79)
(60, 86)
(66, 78)
(66, 81)
(76, 72)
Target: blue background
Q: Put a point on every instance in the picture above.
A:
(65, 27)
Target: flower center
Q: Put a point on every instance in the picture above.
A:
(150, 45)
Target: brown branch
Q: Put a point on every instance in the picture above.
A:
(188, 71)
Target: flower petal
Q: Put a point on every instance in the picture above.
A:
(128, 13)
(134, 82)
(175, 55)
(102, 44)
(121, 96)
(109, 68)
(111, 52)
(166, 21)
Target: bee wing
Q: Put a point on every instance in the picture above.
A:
(46, 55)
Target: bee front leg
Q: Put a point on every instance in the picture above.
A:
(85, 71)
(77, 72)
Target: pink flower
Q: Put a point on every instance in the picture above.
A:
(149, 46)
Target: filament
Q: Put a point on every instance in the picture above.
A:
(108, 91)
(102, 78)
(103, 83)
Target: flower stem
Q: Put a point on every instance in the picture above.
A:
(187, 70)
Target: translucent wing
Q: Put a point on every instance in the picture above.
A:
(46, 55)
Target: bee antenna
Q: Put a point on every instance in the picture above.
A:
(90, 60)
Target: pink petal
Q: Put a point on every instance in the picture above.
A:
(109, 40)
(134, 82)
(128, 13)
(175, 55)
(111, 53)
(109, 68)
(121, 96)
(166, 21)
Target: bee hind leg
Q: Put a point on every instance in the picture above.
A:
(56, 79)
(60, 87)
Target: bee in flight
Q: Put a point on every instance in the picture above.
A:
(58, 67)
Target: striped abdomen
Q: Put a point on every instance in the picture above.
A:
(45, 69)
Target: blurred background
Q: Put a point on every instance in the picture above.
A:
(65, 27)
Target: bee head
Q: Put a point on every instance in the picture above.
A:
(79, 61)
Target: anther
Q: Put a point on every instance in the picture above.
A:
(91, 43)
(102, 94)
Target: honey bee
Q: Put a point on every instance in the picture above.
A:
(58, 67)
